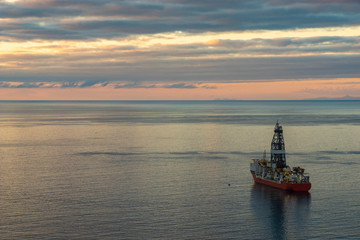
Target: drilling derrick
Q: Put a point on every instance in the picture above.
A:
(276, 173)
(278, 147)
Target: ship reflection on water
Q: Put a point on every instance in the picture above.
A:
(283, 214)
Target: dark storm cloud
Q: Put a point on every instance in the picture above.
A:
(118, 18)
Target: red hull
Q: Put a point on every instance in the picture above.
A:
(296, 187)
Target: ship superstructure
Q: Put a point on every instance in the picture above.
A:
(275, 172)
(278, 147)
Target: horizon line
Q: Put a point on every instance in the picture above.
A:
(215, 100)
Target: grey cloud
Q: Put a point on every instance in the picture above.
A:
(69, 85)
(190, 62)
(83, 84)
(121, 27)
(55, 19)
(91, 83)
(5, 85)
(30, 85)
(204, 70)
(36, 30)
(121, 18)
(22, 85)
(175, 85)
(52, 84)
(181, 85)
(14, 11)
(227, 70)
(285, 45)
(134, 85)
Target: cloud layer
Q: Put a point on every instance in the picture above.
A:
(58, 19)
(179, 44)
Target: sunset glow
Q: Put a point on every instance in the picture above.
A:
(143, 50)
(288, 90)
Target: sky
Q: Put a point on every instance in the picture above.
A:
(179, 49)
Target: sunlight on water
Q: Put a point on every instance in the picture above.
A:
(174, 170)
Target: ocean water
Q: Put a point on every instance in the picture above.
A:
(175, 170)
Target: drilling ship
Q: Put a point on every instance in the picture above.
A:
(275, 172)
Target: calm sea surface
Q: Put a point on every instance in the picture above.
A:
(161, 170)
